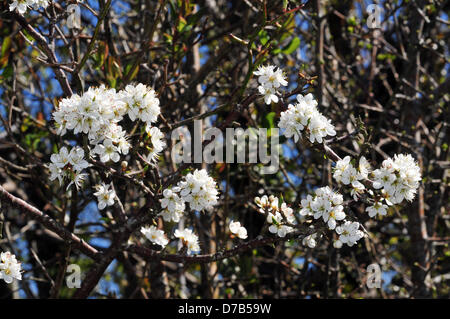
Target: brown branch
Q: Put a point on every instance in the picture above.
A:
(34, 213)
(152, 255)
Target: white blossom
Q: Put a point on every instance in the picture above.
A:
(349, 234)
(304, 116)
(238, 230)
(22, 5)
(190, 240)
(10, 268)
(141, 103)
(377, 209)
(199, 190)
(68, 165)
(398, 177)
(105, 195)
(277, 226)
(155, 235)
(270, 81)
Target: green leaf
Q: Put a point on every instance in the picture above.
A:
(292, 46)
(269, 120)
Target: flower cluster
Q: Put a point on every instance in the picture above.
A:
(97, 114)
(346, 173)
(68, 165)
(199, 190)
(10, 268)
(398, 178)
(105, 195)
(349, 234)
(172, 204)
(305, 116)
(270, 81)
(157, 143)
(238, 230)
(280, 217)
(155, 235)
(310, 240)
(189, 239)
(23, 5)
(326, 204)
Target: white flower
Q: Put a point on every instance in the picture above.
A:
(277, 227)
(357, 189)
(306, 206)
(330, 217)
(267, 203)
(288, 213)
(105, 196)
(10, 268)
(171, 199)
(157, 144)
(173, 205)
(349, 234)
(377, 209)
(62, 158)
(237, 229)
(173, 215)
(107, 151)
(270, 94)
(269, 77)
(68, 165)
(22, 5)
(141, 103)
(305, 116)
(155, 235)
(399, 178)
(76, 158)
(76, 178)
(190, 240)
(310, 241)
(363, 168)
(270, 80)
(199, 190)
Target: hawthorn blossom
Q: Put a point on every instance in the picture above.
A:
(141, 103)
(107, 151)
(377, 209)
(238, 230)
(267, 203)
(199, 190)
(173, 205)
(22, 5)
(105, 195)
(277, 226)
(325, 204)
(157, 144)
(398, 177)
(155, 235)
(270, 81)
(10, 268)
(349, 234)
(288, 213)
(331, 216)
(306, 209)
(310, 240)
(68, 165)
(189, 239)
(304, 116)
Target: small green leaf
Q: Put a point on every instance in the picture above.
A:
(292, 46)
